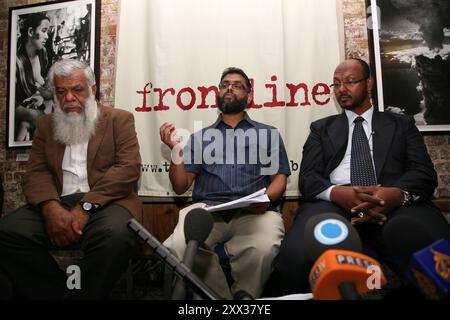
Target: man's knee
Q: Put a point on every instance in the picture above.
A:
(7, 223)
(11, 227)
(120, 235)
(418, 229)
(268, 246)
(421, 224)
(318, 207)
(265, 248)
(4, 227)
(115, 238)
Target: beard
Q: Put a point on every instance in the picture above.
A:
(75, 128)
(232, 107)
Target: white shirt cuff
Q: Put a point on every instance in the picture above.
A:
(325, 195)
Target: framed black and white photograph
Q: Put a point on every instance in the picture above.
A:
(40, 35)
(410, 43)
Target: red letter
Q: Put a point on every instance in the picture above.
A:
(293, 90)
(316, 92)
(180, 103)
(204, 91)
(275, 102)
(144, 92)
(252, 103)
(161, 106)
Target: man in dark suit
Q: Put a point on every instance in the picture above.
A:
(370, 167)
(80, 188)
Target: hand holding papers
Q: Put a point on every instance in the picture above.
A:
(257, 197)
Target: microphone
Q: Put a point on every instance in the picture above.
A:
(430, 270)
(342, 274)
(329, 231)
(340, 270)
(180, 268)
(197, 227)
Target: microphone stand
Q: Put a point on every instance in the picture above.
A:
(180, 268)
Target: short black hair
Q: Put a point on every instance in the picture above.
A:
(31, 20)
(365, 67)
(241, 72)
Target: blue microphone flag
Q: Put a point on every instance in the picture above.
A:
(430, 270)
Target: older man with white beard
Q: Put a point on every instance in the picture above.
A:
(80, 185)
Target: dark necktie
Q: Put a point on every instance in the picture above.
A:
(361, 166)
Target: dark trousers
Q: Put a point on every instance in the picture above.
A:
(107, 245)
(407, 230)
(2, 194)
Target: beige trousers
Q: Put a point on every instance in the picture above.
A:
(251, 241)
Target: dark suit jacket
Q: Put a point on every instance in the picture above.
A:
(400, 156)
(113, 162)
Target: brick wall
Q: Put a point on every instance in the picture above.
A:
(356, 45)
(12, 171)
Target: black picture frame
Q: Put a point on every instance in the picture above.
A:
(39, 35)
(410, 57)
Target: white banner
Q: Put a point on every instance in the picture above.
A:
(171, 54)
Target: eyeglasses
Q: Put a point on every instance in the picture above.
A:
(234, 85)
(347, 84)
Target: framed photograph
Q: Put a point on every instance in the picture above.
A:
(40, 35)
(410, 44)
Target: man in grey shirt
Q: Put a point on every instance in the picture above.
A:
(232, 158)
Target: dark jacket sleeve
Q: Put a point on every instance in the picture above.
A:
(419, 176)
(312, 179)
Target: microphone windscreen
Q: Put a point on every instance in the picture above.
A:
(197, 225)
(430, 270)
(336, 267)
(327, 231)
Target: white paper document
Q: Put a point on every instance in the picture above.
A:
(296, 296)
(257, 197)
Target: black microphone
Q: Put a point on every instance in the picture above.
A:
(197, 227)
(329, 231)
(170, 259)
(340, 269)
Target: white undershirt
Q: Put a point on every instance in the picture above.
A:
(341, 174)
(74, 167)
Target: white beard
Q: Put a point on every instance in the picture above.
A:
(75, 128)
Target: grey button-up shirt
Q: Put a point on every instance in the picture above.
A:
(232, 163)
